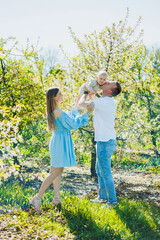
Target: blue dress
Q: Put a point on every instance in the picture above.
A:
(61, 145)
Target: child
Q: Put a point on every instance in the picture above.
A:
(93, 86)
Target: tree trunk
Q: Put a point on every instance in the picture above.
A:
(154, 142)
(15, 159)
(93, 161)
(152, 131)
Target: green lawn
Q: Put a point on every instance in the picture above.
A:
(78, 218)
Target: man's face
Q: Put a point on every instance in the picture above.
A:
(108, 86)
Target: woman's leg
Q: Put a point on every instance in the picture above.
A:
(36, 200)
(56, 186)
(54, 172)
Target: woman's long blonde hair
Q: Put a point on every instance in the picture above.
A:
(50, 106)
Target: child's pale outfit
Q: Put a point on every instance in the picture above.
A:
(92, 86)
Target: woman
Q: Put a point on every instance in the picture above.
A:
(61, 145)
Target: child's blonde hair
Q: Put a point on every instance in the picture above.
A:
(102, 73)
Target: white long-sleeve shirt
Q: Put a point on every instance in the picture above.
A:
(104, 116)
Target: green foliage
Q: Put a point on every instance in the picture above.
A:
(35, 143)
(135, 161)
(22, 96)
(118, 49)
(21, 82)
(157, 60)
(22, 99)
(83, 142)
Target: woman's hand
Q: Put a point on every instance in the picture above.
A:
(90, 108)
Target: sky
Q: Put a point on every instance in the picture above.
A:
(48, 20)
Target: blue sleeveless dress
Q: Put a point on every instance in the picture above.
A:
(61, 145)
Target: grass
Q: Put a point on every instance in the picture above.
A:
(135, 161)
(78, 218)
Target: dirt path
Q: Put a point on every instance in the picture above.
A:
(134, 184)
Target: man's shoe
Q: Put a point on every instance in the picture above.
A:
(98, 200)
(109, 205)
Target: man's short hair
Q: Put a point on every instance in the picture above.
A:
(116, 90)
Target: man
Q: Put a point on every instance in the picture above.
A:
(105, 137)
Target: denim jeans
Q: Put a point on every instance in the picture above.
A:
(105, 151)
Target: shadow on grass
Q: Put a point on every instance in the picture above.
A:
(135, 218)
(137, 191)
(84, 227)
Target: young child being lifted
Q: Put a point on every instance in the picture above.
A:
(92, 86)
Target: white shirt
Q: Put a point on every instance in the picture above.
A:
(104, 116)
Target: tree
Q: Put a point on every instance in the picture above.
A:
(119, 50)
(21, 83)
(157, 60)
(140, 101)
(51, 59)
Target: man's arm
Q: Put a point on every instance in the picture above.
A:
(83, 103)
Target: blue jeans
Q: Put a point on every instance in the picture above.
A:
(105, 151)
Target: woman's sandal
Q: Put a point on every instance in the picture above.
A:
(56, 201)
(36, 202)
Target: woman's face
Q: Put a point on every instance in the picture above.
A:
(59, 97)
